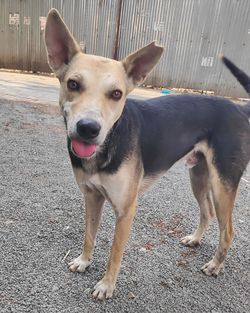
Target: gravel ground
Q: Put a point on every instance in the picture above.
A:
(41, 221)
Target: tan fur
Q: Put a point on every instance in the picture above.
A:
(121, 190)
(213, 195)
(104, 289)
(201, 187)
(224, 199)
(93, 209)
(98, 77)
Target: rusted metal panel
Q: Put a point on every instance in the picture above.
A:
(22, 22)
(194, 33)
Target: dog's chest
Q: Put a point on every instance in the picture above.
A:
(116, 187)
(106, 185)
(94, 182)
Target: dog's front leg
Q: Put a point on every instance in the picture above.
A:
(93, 210)
(105, 287)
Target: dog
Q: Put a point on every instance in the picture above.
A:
(118, 147)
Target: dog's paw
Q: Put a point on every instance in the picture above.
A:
(79, 265)
(212, 268)
(190, 241)
(103, 289)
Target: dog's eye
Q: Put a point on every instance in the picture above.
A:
(73, 85)
(116, 94)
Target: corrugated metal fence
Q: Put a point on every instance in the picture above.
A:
(194, 32)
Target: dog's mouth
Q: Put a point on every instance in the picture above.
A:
(82, 149)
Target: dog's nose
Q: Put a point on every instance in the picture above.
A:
(88, 128)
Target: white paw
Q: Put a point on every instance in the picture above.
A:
(212, 268)
(103, 289)
(190, 241)
(79, 265)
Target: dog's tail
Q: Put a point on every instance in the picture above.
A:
(243, 79)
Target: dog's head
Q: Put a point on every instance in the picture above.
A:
(93, 89)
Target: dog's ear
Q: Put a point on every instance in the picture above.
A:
(140, 63)
(61, 45)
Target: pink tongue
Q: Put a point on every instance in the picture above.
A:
(83, 150)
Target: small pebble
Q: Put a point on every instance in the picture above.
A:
(87, 290)
(131, 295)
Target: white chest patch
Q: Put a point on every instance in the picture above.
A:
(94, 182)
(117, 187)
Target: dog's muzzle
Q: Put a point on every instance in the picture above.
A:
(84, 145)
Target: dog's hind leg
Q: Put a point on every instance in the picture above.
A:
(200, 183)
(224, 202)
(93, 210)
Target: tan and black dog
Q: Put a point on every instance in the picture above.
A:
(119, 147)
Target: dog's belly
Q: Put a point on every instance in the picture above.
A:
(149, 180)
(191, 159)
